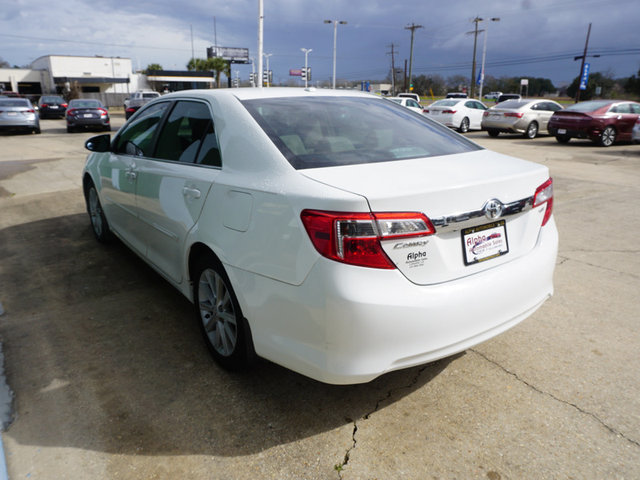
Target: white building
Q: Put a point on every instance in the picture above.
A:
(91, 74)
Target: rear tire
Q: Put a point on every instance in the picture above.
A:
(563, 138)
(464, 125)
(607, 137)
(70, 129)
(493, 133)
(531, 131)
(219, 317)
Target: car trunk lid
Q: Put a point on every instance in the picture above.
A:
(454, 192)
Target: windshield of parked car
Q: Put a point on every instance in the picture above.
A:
(51, 100)
(317, 132)
(590, 106)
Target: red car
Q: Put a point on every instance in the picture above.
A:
(603, 121)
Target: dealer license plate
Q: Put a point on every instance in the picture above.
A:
(484, 242)
(562, 131)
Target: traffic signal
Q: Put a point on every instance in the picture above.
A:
(304, 73)
(308, 72)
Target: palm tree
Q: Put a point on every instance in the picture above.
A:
(215, 64)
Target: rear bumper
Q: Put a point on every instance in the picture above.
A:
(518, 126)
(348, 325)
(590, 133)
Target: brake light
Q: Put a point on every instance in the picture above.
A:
(71, 112)
(514, 114)
(63, 105)
(131, 110)
(485, 114)
(425, 110)
(102, 111)
(354, 238)
(44, 105)
(544, 194)
(449, 111)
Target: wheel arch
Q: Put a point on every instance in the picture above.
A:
(199, 250)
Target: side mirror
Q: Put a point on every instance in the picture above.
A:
(100, 143)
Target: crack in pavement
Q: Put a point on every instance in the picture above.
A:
(340, 466)
(565, 259)
(565, 402)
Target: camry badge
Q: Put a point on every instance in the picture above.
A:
(493, 209)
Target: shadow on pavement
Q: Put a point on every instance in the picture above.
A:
(104, 355)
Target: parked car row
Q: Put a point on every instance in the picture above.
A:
(602, 121)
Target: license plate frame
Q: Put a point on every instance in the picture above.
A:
(484, 242)
(562, 131)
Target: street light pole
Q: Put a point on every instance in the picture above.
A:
(306, 51)
(260, 39)
(484, 54)
(335, 42)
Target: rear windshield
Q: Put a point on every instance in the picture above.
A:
(150, 95)
(14, 102)
(445, 103)
(317, 132)
(85, 104)
(590, 106)
(513, 104)
(51, 100)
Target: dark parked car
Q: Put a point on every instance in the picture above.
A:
(52, 106)
(18, 114)
(602, 121)
(85, 113)
(508, 96)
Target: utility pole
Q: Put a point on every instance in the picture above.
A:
(584, 56)
(260, 39)
(393, 70)
(413, 28)
(473, 67)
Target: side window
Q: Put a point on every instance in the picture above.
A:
(182, 134)
(635, 108)
(137, 138)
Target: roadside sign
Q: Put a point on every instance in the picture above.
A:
(585, 76)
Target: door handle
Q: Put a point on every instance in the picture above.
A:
(191, 192)
(131, 175)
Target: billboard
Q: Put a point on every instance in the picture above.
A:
(231, 54)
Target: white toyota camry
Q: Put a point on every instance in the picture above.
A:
(334, 233)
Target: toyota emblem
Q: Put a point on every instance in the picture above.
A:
(493, 209)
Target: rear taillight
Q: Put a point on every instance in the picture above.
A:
(130, 110)
(354, 238)
(485, 114)
(71, 112)
(514, 114)
(64, 105)
(544, 194)
(44, 105)
(102, 111)
(449, 111)
(425, 110)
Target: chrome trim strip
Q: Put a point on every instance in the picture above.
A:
(459, 221)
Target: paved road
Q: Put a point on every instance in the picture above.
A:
(112, 381)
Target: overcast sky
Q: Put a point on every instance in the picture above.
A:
(534, 38)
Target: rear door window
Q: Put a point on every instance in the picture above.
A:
(188, 135)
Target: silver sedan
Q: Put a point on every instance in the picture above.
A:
(18, 114)
(528, 117)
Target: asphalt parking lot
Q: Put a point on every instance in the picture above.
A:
(112, 381)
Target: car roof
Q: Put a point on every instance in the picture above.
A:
(243, 94)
